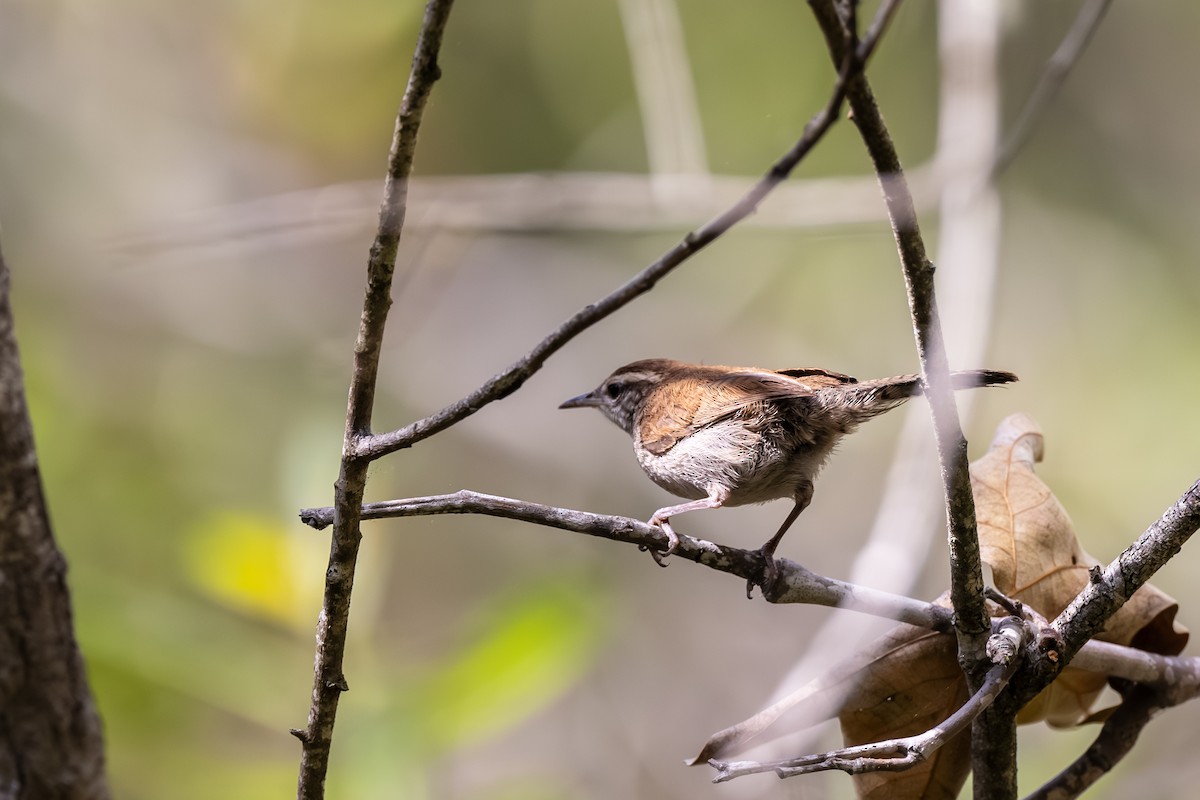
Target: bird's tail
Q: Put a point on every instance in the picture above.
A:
(870, 398)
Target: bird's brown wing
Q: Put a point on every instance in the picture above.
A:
(672, 415)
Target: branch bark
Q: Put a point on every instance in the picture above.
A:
(796, 584)
(1107, 592)
(1139, 705)
(995, 776)
(51, 743)
(966, 568)
(328, 680)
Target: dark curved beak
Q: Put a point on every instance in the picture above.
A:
(582, 401)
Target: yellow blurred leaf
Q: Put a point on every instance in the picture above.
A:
(533, 648)
(243, 561)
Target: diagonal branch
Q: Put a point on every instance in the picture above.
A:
(328, 679)
(899, 754)
(511, 379)
(1110, 588)
(1065, 57)
(1120, 732)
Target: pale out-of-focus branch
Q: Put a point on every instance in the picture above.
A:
(511, 203)
(666, 92)
(1065, 57)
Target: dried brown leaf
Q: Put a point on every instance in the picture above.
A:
(912, 684)
(903, 683)
(1027, 538)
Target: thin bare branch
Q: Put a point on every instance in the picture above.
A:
(1065, 57)
(511, 379)
(1112, 586)
(1180, 673)
(328, 679)
(896, 551)
(903, 753)
(796, 584)
(1120, 732)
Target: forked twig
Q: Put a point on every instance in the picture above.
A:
(328, 680)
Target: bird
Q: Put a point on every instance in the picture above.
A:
(731, 436)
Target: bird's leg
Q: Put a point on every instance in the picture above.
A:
(717, 495)
(804, 493)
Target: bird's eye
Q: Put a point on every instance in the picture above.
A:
(614, 389)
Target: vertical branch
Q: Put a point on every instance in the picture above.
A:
(969, 243)
(971, 622)
(50, 739)
(328, 679)
(966, 567)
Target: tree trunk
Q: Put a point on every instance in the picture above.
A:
(50, 739)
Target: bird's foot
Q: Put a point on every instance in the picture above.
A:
(769, 574)
(660, 556)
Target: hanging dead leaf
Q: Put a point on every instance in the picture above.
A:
(1027, 538)
(909, 680)
(902, 684)
(913, 684)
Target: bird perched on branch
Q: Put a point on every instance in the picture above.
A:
(729, 436)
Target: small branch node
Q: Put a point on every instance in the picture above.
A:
(1005, 643)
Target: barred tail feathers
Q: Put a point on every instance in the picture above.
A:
(976, 378)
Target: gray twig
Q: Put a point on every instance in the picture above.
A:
(795, 584)
(1110, 589)
(1120, 732)
(966, 567)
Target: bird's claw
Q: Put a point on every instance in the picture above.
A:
(770, 573)
(660, 556)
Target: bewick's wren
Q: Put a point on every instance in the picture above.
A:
(728, 436)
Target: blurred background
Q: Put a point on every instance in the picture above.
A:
(188, 195)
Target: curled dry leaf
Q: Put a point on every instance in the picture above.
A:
(909, 680)
(1029, 542)
(913, 683)
(902, 684)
